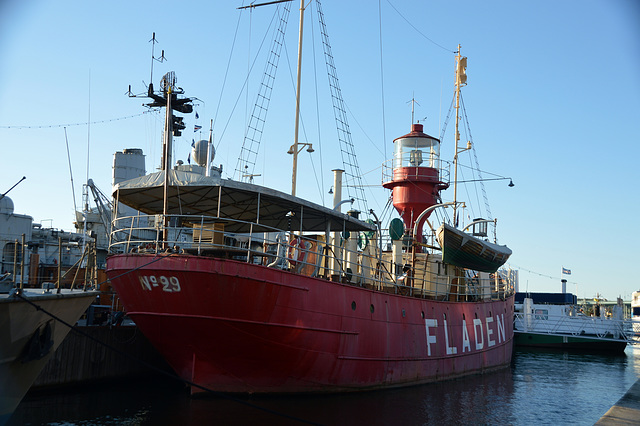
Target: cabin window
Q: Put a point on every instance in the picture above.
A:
(353, 305)
(404, 314)
(541, 314)
(8, 255)
(371, 308)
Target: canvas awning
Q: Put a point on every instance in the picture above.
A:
(195, 194)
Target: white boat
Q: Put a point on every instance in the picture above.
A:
(635, 314)
(635, 306)
(553, 320)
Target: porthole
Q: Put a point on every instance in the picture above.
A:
(353, 305)
(404, 314)
(371, 308)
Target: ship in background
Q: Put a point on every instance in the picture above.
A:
(244, 288)
(556, 321)
(32, 298)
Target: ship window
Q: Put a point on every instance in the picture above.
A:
(541, 314)
(371, 308)
(404, 314)
(8, 254)
(353, 305)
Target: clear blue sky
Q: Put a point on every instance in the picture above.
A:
(553, 101)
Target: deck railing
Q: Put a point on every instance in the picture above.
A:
(347, 261)
(578, 325)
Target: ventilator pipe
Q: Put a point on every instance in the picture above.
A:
(337, 187)
(337, 202)
(337, 206)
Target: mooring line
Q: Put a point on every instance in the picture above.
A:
(168, 374)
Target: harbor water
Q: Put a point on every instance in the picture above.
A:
(540, 387)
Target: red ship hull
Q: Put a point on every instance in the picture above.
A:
(239, 327)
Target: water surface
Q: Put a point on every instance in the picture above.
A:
(540, 387)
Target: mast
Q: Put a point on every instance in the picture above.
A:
(461, 80)
(167, 98)
(168, 139)
(173, 126)
(295, 136)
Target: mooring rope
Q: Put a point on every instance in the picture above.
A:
(165, 373)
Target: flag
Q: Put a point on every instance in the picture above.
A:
(197, 116)
(566, 271)
(193, 143)
(462, 71)
(196, 128)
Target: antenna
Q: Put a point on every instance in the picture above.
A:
(413, 103)
(161, 59)
(153, 45)
(73, 191)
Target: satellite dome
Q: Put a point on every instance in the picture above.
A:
(6, 205)
(199, 152)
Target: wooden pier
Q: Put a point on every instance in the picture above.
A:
(80, 360)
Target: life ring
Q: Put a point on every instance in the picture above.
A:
(295, 252)
(363, 241)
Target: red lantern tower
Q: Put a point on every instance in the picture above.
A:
(416, 183)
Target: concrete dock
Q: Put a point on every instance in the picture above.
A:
(626, 411)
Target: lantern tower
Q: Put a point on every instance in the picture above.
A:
(416, 182)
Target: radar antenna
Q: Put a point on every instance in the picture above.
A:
(161, 59)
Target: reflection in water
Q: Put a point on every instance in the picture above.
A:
(539, 388)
